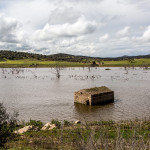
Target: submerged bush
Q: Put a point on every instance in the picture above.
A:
(7, 124)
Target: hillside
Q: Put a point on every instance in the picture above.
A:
(13, 55)
(11, 59)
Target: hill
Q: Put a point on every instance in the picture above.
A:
(13, 55)
(11, 59)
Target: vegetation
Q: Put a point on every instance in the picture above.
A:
(98, 89)
(141, 62)
(67, 123)
(36, 63)
(57, 70)
(36, 123)
(57, 123)
(7, 124)
(90, 136)
(20, 59)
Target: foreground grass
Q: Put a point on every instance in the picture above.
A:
(28, 63)
(90, 136)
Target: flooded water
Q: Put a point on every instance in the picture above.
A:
(37, 94)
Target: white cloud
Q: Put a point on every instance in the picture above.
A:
(104, 38)
(124, 31)
(125, 38)
(11, 34)
(146, 34)
(81, 27)
(8, 29)
(59, 26)
(144, 38)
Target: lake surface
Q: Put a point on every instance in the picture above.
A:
(36, 93)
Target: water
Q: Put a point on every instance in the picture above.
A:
(37, 94)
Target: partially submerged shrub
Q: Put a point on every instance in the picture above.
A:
(107, 69)
(7, 124)
(56, 122)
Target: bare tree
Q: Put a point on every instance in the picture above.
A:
(57, 69)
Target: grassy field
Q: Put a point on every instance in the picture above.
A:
(27, 63)
(36, 63)
(96, 135)
(136, 63)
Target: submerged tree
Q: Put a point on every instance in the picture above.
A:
(57, 69)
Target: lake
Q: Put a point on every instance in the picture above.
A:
(37, 94)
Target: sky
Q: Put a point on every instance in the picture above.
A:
(102, 28)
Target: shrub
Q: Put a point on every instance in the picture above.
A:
(56, 122)
(7, 125)
(36, 123)
(67, 123)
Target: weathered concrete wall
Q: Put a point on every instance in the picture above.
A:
(94, 99)
(82, 98)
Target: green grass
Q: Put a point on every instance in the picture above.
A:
(37, 63)
(90, 136)
(98, 89)
(135, 63)
(28, 63)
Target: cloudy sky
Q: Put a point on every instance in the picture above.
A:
(105, 28)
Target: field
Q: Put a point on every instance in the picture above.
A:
(136, 63)
(29, 63)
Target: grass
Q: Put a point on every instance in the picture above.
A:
(136, 63)
(28, 63)
(98, 89)
(90, 136)
(37, 63)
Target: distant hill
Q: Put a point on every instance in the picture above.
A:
(12, 55)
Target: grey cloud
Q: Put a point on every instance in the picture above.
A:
(63, 15)
(10, 38)
(140, 4)
(8, 27)
(7, 24)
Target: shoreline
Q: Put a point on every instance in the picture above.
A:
(14, 66)
(103, 134)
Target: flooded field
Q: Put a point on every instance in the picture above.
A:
(36, 93)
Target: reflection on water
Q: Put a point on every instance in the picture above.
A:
(86, 109)
(38, 94)
(83, 109)
(95, 112)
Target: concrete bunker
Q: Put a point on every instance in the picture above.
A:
(94, 96)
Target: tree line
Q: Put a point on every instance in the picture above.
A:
(14, 55)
